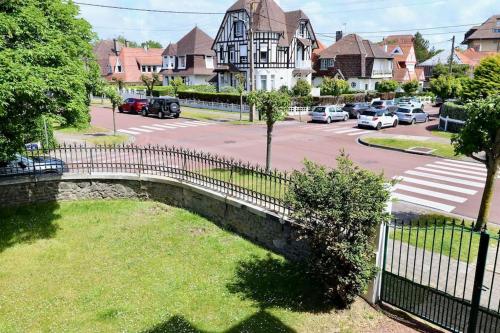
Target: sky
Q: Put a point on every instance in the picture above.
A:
(372, 19)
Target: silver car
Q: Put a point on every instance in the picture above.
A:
(411, 115)
(329, 113)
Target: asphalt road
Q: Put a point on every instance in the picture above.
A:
(439, 184)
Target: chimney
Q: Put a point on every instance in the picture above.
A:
(145, 48)
(115, 48)
(338, 35)
(385, 47)
(126, 43)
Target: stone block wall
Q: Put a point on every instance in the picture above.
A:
(256, 224)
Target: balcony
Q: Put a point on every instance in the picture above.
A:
(303, 64)
(382, 73)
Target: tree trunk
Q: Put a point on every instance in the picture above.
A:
(492, 167)
(268, 151)
(114, 121)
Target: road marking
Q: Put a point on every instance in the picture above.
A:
(466, 163)
(456, 174)
(477, 173)
(347, 131)
(436, 185)
(360, 133)
(446, 179)
(178, 125)
(189, 124)
(128, 132)
(140, 129)
(165, 126)
(423, 202)
(429, 193)
(336, 129)
(153, 128)
(459, 166)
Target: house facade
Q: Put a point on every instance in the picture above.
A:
(402, 48)
(283, 45)
(486, 37)
(191, 59)
(362, 63)
(127, 63)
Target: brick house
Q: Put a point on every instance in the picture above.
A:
(359, 61)
(191, 59)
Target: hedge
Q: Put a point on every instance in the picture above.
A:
(454, 111)
(211, 97)
(351, 98)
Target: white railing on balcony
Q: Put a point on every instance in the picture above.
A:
(303, 64)
(381, 72)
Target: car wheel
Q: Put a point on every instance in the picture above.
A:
(177, 115)
(413, 121)
(346, 117)
(144, 113)
(426, 119)
(161, 115)
(395, 123)
(120, 109)
(379, 127)
(328, 120)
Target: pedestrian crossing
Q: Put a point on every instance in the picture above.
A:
(343, 129)
(440, 185)
(137, 130)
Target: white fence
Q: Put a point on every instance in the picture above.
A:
(214, 105)
(445, 120)
(299, 111)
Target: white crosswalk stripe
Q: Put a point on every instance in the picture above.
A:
(359, 133)
(153, 128)
(140, 129)
(348, 129)
(128, 132)
(163, 127)
(436, 185)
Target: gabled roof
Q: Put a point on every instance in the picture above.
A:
(103, 49)
(195, 42)
(170, 50)
(484, 31)
(353, 44)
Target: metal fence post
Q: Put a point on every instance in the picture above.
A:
(482, 254)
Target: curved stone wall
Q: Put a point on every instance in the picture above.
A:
(254, 223)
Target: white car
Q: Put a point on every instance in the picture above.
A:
(329, 113)
(377, 119)
(410, 103)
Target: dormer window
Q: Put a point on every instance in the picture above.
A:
(182, 62)
(326, 63)
(209, 62)
(302, 29)
(239, 28)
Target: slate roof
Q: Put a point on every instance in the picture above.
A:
(170, 50)
(353, 44)
(484, 31)
(195, 42)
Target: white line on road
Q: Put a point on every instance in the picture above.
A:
(347, 131)
(360, 133)
(446, 179)
(336, 129)
(429, 193)
(459, 166)
(128, 132)
(140, 129)
(436, 185)
(423, 202)
(455, 174)
(153, 128)
(441, 167)
(164, 126)
(474, 164)
(178, 125)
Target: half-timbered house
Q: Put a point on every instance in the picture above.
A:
(283, 45)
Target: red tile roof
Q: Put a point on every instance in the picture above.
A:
(131, 60)
(472, 57)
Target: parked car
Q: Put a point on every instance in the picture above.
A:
(133, 105)
(329, 113)
(162, 107)
(376, 118)
(22, 165)
(412, 115)
(410, 102)
(354, 109)
(384, 104)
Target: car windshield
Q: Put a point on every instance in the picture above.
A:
(320, 109)
(401, 110)
(142, 100)
(369, 113)
(350, 105)
(378, 103)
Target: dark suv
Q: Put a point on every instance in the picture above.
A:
(162, 107)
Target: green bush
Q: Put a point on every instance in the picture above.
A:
(229, 90)
(211, 97)
(386, 86)
(446, 86)
(410, 87)
(301, 88)
(454, 111)
(333, 87)
(340, 210)
(201, 88)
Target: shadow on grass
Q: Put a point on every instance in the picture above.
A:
(260, 322)
(26, 224)
(271, 282)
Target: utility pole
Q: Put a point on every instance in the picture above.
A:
(252, 60)
(452, 54)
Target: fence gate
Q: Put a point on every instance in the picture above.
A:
(445, 273)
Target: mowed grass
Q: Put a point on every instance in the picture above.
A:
(130, 266)
(441, 149)
(108, 140)
(214, 115)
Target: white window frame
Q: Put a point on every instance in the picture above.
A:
(263, 82)
(326, 63)
(239, 29)
(182, 62)
(209, 62)
(273, 82)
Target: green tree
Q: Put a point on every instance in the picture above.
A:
(410, 87)
(301, 88)
(119, 82)
(457, 70)
(47, 68)
(177, 84)
(116, 99)
(422, 50)
(486, 81)
(150, 81)
(273, 105)
(481, 135)
(340, 210)
(333, 87)
(385, 86)
(241, 80)
(152, 44)
(121, 39)
(446, 86)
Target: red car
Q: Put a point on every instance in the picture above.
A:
(133, 105)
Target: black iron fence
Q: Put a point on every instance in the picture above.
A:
(244, 181)
(444, 272)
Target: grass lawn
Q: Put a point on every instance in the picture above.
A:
(86, 130)
(441, 134)
(108, 140)
(214, 115)
(131, 266)
(441, 149)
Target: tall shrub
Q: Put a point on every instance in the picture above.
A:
(301, 88)
(333, 87)
(446, 86)
(386, 86)
(340, 210)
